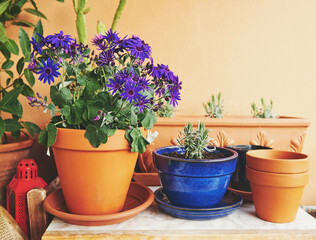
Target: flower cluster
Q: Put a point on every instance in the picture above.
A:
(37, 102)
(115, 86)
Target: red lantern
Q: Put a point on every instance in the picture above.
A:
(25, 179)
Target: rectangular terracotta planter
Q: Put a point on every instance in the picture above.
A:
(282, 133)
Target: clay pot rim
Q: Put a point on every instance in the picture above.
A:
(235, 155)
(255, 153)
(18, 145)
(284, 178)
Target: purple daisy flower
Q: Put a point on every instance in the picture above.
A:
(142, 104)
(174, 96)
(98, 41)
(32, 65)
(106, 58)
(126, 74)
(131, 92)
(48, 71)
(116, 84)
(162, 71)
(111, 36)
(60, 40)
(38, 47)
(144, 83)
(138, 48)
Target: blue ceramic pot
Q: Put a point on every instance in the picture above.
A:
(196, 183)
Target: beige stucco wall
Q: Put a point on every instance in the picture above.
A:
(244, 48)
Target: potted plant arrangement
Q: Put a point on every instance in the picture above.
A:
(100, 110)
(277, 132)
(16, 136)
(194, 175)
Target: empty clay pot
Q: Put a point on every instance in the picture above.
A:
(276, 196)
(274, 161)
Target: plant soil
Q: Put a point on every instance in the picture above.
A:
(206, 155)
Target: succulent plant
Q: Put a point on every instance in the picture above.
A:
(195, 141)
(213, 109)
(264, 112)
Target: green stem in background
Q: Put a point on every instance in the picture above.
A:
(81, 20)
(118, 13)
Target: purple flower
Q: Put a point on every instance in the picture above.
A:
(111, 36)
(162, 71)
(125, 74)
(32, 65)
(142, 104)
(37, 47)
(98, 41)
(37, 102)
(48, 71)
(144, 83)
(106, 58)
(59, 39)
(97, 118)
(116, 84)
(174, 96)
(131, 92)
(138, 48)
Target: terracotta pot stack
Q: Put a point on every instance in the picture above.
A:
(277, 180)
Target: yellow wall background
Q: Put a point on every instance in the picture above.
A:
(245, 49)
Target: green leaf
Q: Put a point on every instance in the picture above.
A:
(25, 43)
(27, 91)
(23, 23)
(101, 27)
(60, 97)
(12, 46)
(52, 108)
(149, 120)
(18, 83)
(47, 137)
(16, 135)
(60, 1)
(32, 128)
(15, 108)
(139, 142)
(76, 113)
(133, 117)
(38, 29)
(12, 125)
(7, 64)
(20, 65)
(93, 108)
(11, 96)
(29, 77)
(3, 6)
(4, 51)
(8, 80)
(91, 88)
(65, 111)
(10, 73)
(35, 12)
(111, 132)
(3, 34)
(2, 128)
(95, 135)
(82, 80)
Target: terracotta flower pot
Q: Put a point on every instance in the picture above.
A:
(93, 180)
(276, 196)
(10, 155)
(274, 161)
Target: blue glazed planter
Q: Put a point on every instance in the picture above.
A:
(196, 183)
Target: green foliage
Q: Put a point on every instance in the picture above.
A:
(22, 82)
(195, 141)
(213, 109)
(118, 13)
(265, 111)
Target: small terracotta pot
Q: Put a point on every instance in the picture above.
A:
(94, 181)
(274, 161)
(276, 196)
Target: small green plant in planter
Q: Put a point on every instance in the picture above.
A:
(265, 111)
(194, 174)
(214, 109)
(195, 141)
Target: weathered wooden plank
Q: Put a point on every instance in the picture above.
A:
(37, 214)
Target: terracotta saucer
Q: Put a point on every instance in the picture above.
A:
(247, 196)
(139, 197)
